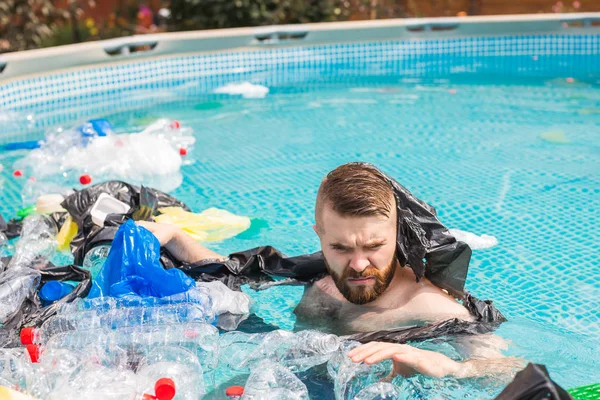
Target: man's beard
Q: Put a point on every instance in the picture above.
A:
(362, 294)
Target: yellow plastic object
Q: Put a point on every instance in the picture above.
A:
(9, 394)
(67, 232)
(210, 225)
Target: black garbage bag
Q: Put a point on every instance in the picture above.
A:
(12, 228)
(144, 203)
(80, 203)
(32, 313)
(533, 383)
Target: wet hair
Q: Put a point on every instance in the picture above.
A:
(355, 190)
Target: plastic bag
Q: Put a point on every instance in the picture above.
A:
(210, 225)
(133, 267)
(533, 383)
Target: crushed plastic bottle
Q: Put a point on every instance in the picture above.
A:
(297, 351)
(96, 382)
(215, 296)
(95, 258)
(177, 364)
(199, 338)
(119, 317)
(350, 377)
(225, 300)
(380, 391)
(197, 295)
(15, 286)
(36, 245)
(21, 277)
(14, 368)
(150, 157)
(272, 381)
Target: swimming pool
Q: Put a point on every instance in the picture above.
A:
(501, 133)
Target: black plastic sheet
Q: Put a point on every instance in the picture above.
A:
(533, 383)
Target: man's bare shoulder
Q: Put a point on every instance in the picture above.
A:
(433, 303)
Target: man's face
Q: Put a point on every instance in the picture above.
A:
(359, 253)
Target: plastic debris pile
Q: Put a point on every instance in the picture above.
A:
(94, 151)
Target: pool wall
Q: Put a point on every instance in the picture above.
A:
(55, 85)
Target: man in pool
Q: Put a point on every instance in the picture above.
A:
(367, 288)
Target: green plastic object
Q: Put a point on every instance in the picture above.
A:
(25, 212)
(589, 392)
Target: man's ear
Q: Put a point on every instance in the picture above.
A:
(316, 229)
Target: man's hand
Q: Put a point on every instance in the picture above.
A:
(163, 232)
(407, 360)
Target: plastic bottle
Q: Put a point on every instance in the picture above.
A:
(15, 286)
(115, 318)
(297, 351)
(199, 338)
(36, 245)
(379, 390)
(350, 377)
(95, 258)
(179, 366)
(273, 381)
(14, 368)
(197, 295)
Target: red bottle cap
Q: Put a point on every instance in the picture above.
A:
(34, 352)
(85, 179)
(234, 391)
(27, 335)
(17, 173)
(182, 151)
(164, 389)
(175, 125)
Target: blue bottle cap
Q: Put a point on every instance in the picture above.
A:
(55, 290)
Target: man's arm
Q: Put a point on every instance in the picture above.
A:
(179, 244)
(409, 361)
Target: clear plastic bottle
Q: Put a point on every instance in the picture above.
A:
(95, 258)
(137, 341)
(177, 364)
(37, 243)
(350, 377)
(14, 368)
(297, 351)
(15, 286)
(380, 391)
(197, 295)
(273, 381)
(115, 318)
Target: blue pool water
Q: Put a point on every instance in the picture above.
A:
(513, 157)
